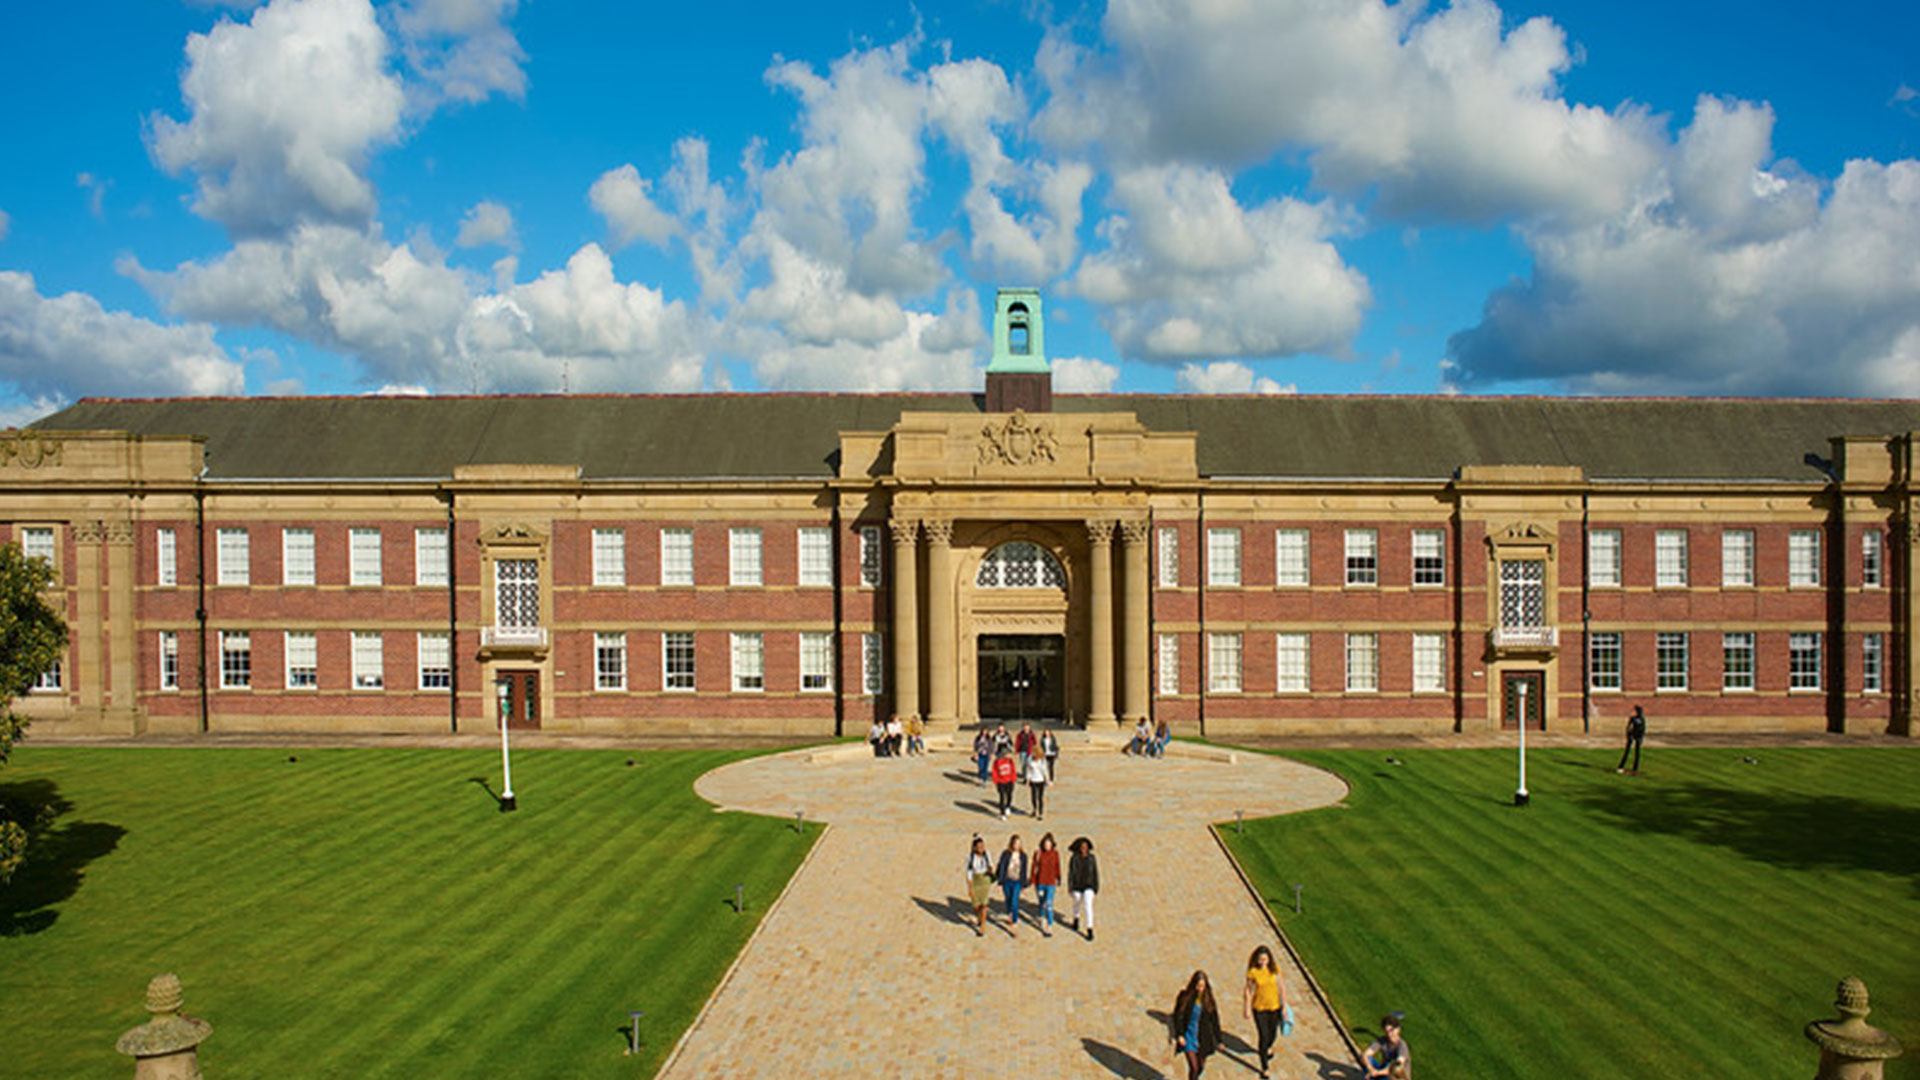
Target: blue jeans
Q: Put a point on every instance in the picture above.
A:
(1043, 895)
(1012, 891)
(982, 761)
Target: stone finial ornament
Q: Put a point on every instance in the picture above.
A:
(1851, 1048)
(165, 1048)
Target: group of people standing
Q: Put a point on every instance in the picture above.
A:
(1016, 869)
(1006, 760)
(893, 738)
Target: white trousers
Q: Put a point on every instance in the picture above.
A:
(1083, 909)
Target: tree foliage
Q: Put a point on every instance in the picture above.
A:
(32, 637)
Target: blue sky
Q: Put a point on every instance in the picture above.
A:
(337, 196)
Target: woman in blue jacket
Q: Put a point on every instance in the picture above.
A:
(1012, 875)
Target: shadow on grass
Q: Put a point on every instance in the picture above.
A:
(1119, 1062)
(1798, 832)
(57, 855)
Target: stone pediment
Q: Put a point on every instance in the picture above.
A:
(1521, 534)
(1020, 446)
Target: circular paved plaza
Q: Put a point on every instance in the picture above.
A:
(870, 964)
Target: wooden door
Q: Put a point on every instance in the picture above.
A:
(1535, 699)
(517, 697)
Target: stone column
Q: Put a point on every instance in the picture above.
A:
(1100, 622)
(906, 618)
(123, 688)
(1851, 1048)
(1136, 656)
(942, 660)
(166, 1047)
(85, 677)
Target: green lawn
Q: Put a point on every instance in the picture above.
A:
(370, 913)
(1685, 923)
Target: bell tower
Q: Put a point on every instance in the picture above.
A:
(1019, 377)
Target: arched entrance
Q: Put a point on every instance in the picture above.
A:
(1017, 651)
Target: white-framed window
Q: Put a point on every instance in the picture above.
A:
(1167, 540)
(1169, 665)
(363, 557)
(1736, 558)
(430, 556)
(1803, 557)
(676, 556)
(1803, 661)
(816, 661)
(609, 557)
(873, 664)
(1290, 554)
(1736, 661)
(610, 660)
(676, 660)
(1223, 557)
(816, 556)
(1429, 557)
(303, 660)
(1363, 663)
(516, 593)
(749, 662)
(232, 556)
(1363, 557)
(872, 556)
(1429, 663)
(369, 660)
(1603, 660)
(434, 653)
(1523, 594)
(1872, 651)
(1670, 558)
(36, 542)
(1603, 558)
(169, 660)
(1291, 652)
(49, 680)
(166, 557)
(296, 557)
(1223, 663)
(1670, 661)
(1871, 546)
(236, 659)
(743, 556)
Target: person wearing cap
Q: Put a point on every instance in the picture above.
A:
(1389, 1055)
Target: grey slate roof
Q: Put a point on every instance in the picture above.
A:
(796, 435)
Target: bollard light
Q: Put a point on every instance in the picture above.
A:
(1520, 796)
(799, 820)
(739, 899)
(633, 1038)
(1239, 821)
(1296, 898)
(506, 767)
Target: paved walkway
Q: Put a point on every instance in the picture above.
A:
(871, 967)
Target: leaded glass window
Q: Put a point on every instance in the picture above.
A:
(1523, 593)
(1020, 564)
(516, 593)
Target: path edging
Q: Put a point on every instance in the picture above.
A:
(772, 910)
(1286, 943)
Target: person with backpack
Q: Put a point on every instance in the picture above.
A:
(1083, 881)
(979, 883)
(1012, 873)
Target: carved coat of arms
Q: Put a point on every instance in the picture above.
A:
(1017, 441)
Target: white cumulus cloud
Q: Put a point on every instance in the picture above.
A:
(58, 347)
(1084, 375)
(460, 50)
(486, 222)
(622, 196)
(1227, 377)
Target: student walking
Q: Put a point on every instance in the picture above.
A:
(1083, 881)
(1265, 1001)
(1636, 732)
(1025, 744)
(1046, 878)
(1050, 749)
(1037, 786)
(1195, 1024)
(982, 752)
(979, 883)
(1003, 777)
(1012, 873)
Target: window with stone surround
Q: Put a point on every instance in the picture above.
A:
(676, 660)
(1670, 661)
(676, 556)
(1169, 665)
(369, 660)
(430, 556)
(236, 660)
(296, 557)
(609, 558)
(1168, 550)
(1429, 557)
(816, 661)
(166, 549)
(1363, 557)
(435, 660)
(1736, 661)
(1290, 558)
(1736, 558)
(1603, 558)
(1291, 657)
(1223, 557)
(303, 660)
(1803, 661)
(609, 661)
(743, 556)
(1603, 660)
(1363, 663)
(363, 557)
(232, 556)
(1223, 663)
(816, 556)
(1670, 558)
(749, 662)
(1803, 558)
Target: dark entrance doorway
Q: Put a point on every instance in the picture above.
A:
(1535, 698)
(1023, 677)
(517, 697)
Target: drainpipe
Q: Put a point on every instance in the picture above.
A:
(1836, 656)
(1586, 618)
(1459, 610)
(453, 626)
(200, 584)
(1200, 564)
(836, 652)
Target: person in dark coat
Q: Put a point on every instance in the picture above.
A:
(1083, 881)
(1636, 732)
(1195, 1024)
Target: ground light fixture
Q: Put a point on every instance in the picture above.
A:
(633, 1036)
(506, 769)
(739, 899)
(1520, 796)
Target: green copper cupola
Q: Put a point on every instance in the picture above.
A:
(1019, 376)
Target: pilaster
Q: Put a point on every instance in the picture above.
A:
(1136, 680)
(906, 617)
(941, 658)
(1100, 626)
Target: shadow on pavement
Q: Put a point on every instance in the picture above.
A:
(954, 910)
(1327, 1068)
(1119, 1062)
(992, 810)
